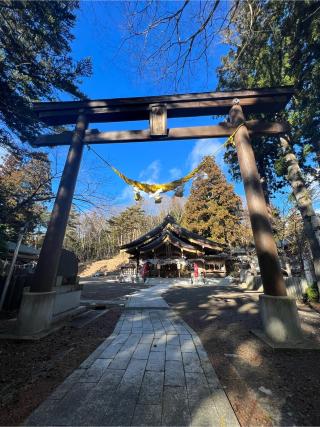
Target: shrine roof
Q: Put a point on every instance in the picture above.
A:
(169, 232)
(168, 238)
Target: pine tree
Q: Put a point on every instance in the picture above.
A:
(129, 224)
(213, 209)
(35, 63)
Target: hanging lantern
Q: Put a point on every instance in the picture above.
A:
(179, 191)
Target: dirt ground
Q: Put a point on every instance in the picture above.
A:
(265, 387)
(29, 371)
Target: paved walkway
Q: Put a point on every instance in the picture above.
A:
(151, 371)
(150, 297)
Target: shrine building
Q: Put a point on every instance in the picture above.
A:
(172, 251)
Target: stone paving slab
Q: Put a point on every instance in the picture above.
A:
(175, 407)
(152, 371)
(174, 373)
(173, 353)
(151, 388)
(147, 415)
(142, 351)
(191, 362)
(156, 361)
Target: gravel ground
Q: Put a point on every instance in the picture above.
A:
(97, 288)
(265, 387)
(29, 371)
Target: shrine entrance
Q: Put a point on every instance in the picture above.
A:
(235, 104)
(169, 270)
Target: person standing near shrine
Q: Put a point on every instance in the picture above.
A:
(145, 271)
(195, 273)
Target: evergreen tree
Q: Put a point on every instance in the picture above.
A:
(286, 52)
(213, 209)
(129, 224)
(277, 43)
(35, 62)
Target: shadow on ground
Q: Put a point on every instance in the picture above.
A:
(31, 370)
(289, 379)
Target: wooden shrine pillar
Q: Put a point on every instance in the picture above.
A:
(266, 249)
(45, 275)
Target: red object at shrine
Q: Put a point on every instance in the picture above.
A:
(145, 269)
(195, 270)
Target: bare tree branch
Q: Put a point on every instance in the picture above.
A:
(171, 39)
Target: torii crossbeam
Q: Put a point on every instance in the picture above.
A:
(157, 109)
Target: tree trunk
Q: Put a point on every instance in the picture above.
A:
(300, 246)
(311, 223)
(308, 270)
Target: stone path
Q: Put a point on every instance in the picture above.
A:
(151, 371)
(150, 297)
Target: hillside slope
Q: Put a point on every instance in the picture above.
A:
(105, 265)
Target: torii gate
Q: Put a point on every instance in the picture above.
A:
(157, 109)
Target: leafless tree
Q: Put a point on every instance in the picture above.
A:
(171, 39)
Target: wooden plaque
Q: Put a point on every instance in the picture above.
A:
(158, 120)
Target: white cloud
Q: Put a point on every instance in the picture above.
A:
(126, 195)
(175, 173)
(206, 147)
(151, 173)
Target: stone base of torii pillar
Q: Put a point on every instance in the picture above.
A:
(281, 324)
(280, 318)
(35, 313)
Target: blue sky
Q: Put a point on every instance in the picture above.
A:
(98, 35)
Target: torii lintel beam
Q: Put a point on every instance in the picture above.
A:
(266, 100)
(93, 136)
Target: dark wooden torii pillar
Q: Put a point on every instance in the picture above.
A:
(270, 269)
(47, 266)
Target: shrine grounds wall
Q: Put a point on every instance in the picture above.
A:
(296, 286)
